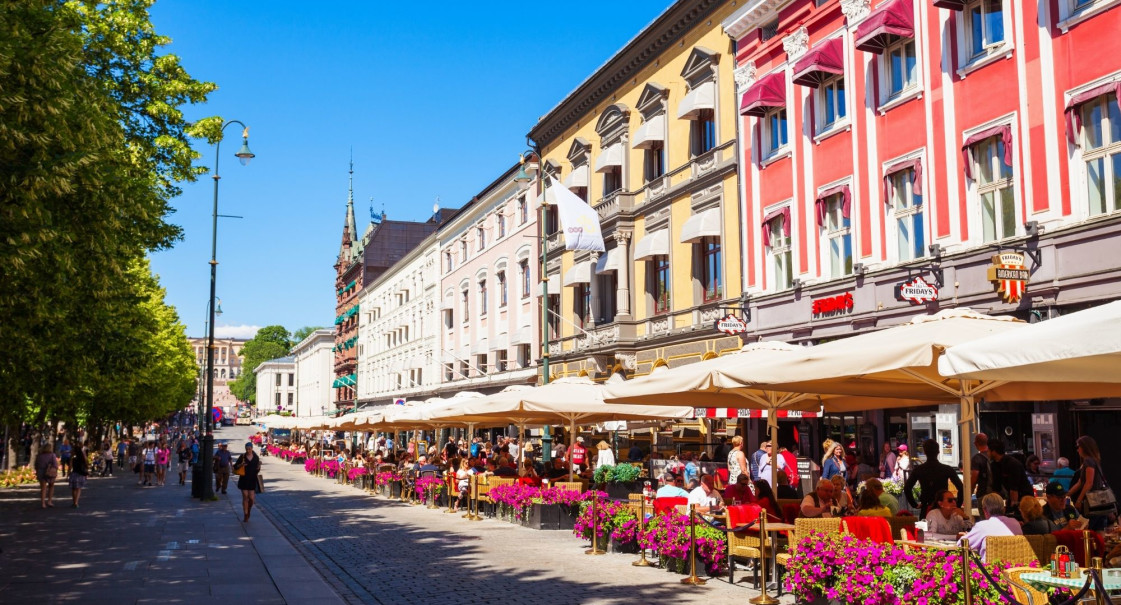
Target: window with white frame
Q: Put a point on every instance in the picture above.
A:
(500, 277)
(702, 132)
(482, 297)
(481, 364)
(710, 274)
(831, 102)
(523, 210)
(500, 360)
(1101, 153)
(500, 218)
(582, 304)
(465, 300)
(901, 68)
(523, 270)
(448, 265)
(463, 250)
(995, 189)
(775, 134)
(481, 237)
(525, 356)
(984, 28)
(781, 253)
(657, 283)
(837, 232)
(907, 212)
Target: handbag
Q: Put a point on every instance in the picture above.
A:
(239, 470)
(52, 471)
(1100, 502)
(260, 484)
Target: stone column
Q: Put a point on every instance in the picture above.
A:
(623, 277)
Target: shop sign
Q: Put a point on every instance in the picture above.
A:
(749, 413)
(1009, 276)
(731, 325)
(833, 304)
(917, 290)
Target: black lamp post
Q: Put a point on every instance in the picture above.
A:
(206, 423)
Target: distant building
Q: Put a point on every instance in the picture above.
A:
(314, 358)
(227, 367)
(276, 385)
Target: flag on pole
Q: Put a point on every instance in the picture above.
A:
(579, 221)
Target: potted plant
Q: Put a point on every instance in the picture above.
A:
(619, 481)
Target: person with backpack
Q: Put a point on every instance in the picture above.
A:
(755, 462)
(46, 471)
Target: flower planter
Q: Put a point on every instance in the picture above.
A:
(621, 490)
(627, 548)
(394, 489)
(548, 516)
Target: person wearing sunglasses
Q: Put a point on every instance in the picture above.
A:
(946, 519)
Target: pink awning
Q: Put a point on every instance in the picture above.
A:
(823, 61)
(916, 182)
(820, 206)
(783, 212)
(890, 21)
(767, 92)
(1074, 116)
(954, 5)
(1005, 134)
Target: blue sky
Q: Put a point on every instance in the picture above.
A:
(434, 103)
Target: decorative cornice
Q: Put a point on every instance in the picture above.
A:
(753, 14)
(796, 44)
(641, 51)
(744, 75)
(854, 10)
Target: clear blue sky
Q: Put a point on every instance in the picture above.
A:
(435, 99)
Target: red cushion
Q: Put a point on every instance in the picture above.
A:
(875, 529)
(742, 514)
(791, 511)
(1072, 539)
(661, 505)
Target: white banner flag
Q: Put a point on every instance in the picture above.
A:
(579, 221)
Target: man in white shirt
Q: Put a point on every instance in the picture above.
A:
(705, 496)
(514, 449)
(672, 487)
(995, 523)
(765, 465)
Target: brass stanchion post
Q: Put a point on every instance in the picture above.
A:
(642, 562)
(693, 578)
(476, 516)
(1086, 548)
(472, 492)
(763, 598)
(1096, 568)
(595, 550)
(967, 587)
(451, 486)
(432, 497)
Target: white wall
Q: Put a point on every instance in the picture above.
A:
(314, 374)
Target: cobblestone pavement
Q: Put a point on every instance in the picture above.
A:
(372, 550)
(133, 544)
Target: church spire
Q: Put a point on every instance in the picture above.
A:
(350, 222)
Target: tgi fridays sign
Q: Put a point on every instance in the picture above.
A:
(731, 325)
(1009, 276)
(916, 290)
(832, 304)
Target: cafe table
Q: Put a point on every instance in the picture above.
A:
(1043, 580)
(773, 529)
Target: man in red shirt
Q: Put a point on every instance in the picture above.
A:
(740, 491)
(578, 454)
(791, 468)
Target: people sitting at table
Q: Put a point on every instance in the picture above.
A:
(500, 470)
(1034, 523)
(528, 475)
(424, 466)
(994, 524)
(870, 505)
(706, 496)
(886, 499)
(740, 492)
(946, 519)
(820, 503)
(841, 494)
(673, 486)
(931, 476)
(462, 482)
(1059, 510)
(765, 498)
(1063, 474)
(785, 490)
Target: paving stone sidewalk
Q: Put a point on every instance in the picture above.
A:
(132, 544)
(373, 550)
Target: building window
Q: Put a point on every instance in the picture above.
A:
(501, 220)
(463, 250)
(278, 379)
(525, 357)
(501, 278)
(465, 299)
(994, 190)
(1101, 150)
(608, 284)
(710, 269)
(984, 27)
(838, 236)
(523, 269)
(612, 180)
(291, 380)
(768, 31)
(500, 360)
(552, 223)
(449, 372)
(658, 283)
(483, 297)
(702, 132)
(464, 368)
(554, 316)
(831, 99)
(582, 304)
(278, 401)
(291, 398)
(449, 319)
(523, 211)
(654, 162)
(481, 364)
(481, 237)
(910, 230)
(774, 131)
(901, 67)
(782, 256)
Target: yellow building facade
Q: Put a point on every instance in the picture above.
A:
(649, 140)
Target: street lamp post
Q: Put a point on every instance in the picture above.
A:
(207, 454)
(531, 160)
(204, 369)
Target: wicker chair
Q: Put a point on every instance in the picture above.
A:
(1010, 550)
(744, 545)
(899, 524)
(1023, 592)
(804, 527)
(576, 486)
(479, 493)
(1042, 546)
(493, 482)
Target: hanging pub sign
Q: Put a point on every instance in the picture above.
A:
(832, 304)
(1009, 276)
(731, 325)
(916, 290)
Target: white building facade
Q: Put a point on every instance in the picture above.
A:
(397, 331)
(314, 359)
(276, 385)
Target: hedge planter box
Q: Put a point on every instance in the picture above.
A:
(395, 489)
(549, 516)
(621, 490)
(627, 548)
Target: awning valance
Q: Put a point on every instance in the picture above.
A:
(701, 224)
(609, 261)
(766, 93)
(820, 206)
(448, 303)
(580, 273)
(916, 181)
(578, 177)
(822, 62)
(652, 132)
(610, 157)
(500, 342)
(1073, 108)
(1004, 131)
(783, 214)
(554, 286)
(656, 243)
(890, 21)
(522, 336)
(954, 5)
(702, 97)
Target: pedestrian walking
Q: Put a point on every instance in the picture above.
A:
(78, 473)
(163, 460)
(184, 456)
(149, 456)
(107, 460)
(222, 460)
(122, 451)
(248, 467)
(64, 452)
(46, 471)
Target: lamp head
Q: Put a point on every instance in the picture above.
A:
(243, 154)
(522, 178)
(218, 308)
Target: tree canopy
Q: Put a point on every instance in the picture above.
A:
(270, 342)
(299, 335)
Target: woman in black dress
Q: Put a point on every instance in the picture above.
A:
(247, 482)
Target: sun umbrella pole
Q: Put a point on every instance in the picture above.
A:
(968, 412)
(772, 422)
(571, 442)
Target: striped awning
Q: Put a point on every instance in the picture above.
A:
(748, 413)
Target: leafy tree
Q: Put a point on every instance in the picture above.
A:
(299, 335)
(270, 342)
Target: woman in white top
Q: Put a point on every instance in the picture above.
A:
(463, 482)
(946, 519)
(605, 456)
